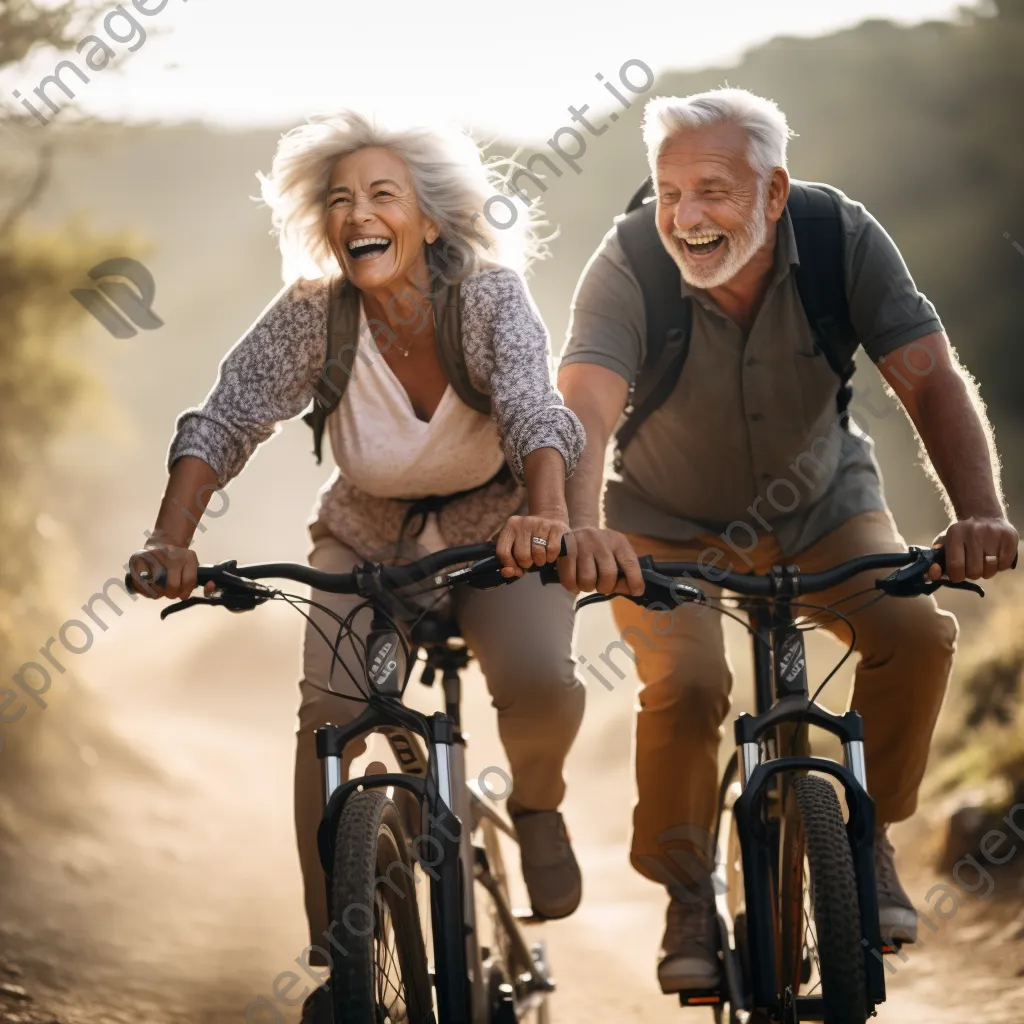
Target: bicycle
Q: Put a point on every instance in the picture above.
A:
(794, 881)
(370, 860)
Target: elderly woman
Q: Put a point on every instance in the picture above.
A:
(461, 412)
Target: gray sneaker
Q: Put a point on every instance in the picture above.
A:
(550, 870)
(897, 917)
(689, 949)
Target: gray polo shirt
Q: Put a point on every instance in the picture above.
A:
(748, 440)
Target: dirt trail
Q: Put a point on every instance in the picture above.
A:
(182, 904)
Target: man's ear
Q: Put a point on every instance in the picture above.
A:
(778, 194)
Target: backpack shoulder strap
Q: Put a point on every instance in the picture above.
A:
(448, 335)
(816, 212)
(341, 341)
(668, 314)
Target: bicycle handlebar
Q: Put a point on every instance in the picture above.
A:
(360, 581)
(750, 585)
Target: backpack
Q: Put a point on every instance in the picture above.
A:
(816, 215)
(342, 340)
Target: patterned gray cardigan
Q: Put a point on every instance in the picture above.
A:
(268, 377)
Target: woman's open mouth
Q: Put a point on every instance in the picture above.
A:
(367, 248)
(703, 245)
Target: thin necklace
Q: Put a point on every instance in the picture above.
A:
(405, 351)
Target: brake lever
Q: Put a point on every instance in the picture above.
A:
(909, 581)
(240, 600)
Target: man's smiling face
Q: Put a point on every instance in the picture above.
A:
(711, 206)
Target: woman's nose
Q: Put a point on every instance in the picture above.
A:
(361, 210)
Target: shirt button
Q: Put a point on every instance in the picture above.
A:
(756, 417)
(766, 476)
(751, 361)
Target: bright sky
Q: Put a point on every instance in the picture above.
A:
(510, 67)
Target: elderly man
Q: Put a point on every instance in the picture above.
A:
(725, 314)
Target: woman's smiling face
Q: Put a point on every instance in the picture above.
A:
(374, 222)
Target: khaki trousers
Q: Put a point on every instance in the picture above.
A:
(906, 648)
(521, 636)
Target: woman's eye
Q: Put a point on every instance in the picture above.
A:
(377, 195)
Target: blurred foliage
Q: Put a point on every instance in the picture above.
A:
(981, 739)
(41, 380)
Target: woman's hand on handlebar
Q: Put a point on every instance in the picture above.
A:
(517, 548)
(594, 561)
(179, 563)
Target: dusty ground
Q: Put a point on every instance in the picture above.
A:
(178, 899)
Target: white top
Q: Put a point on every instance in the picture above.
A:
(383, 449)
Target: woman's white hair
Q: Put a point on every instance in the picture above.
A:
(455, 188)
(760, 118)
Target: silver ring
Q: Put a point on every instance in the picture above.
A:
(539, 541)
(991, 558)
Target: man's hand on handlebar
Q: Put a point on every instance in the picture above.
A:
(976, 548)
(180, 564)
(594, 561)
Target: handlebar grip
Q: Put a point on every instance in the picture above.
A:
(145, 576)
(940, 559)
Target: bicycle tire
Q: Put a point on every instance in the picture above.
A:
(370, 845)
(834, 905)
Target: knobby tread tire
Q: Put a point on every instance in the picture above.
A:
(370, 847)
(836, 906)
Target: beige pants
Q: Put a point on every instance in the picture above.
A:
(906, 648)
(521, 635)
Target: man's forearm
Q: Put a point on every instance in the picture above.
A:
(956, 434)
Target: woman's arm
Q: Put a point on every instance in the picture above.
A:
(267, 377)
(548, 519)
(541, 438)
(507, 349)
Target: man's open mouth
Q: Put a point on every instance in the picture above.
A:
(367, 248)
(701, 245)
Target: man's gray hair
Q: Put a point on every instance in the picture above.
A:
(760, 118)
(453, 184)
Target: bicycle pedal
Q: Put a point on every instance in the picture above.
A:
(707, 997)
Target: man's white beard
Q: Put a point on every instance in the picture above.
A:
(740, 247)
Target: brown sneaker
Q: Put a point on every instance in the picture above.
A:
(550, 870)
(897, 917)
(689, 949)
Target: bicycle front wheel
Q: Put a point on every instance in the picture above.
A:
(830, 915)
(382, 974)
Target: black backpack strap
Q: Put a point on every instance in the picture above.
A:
(342, 339)
(816, 212)
(668, 314)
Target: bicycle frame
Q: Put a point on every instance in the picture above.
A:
(448, 802)
(782, 697)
